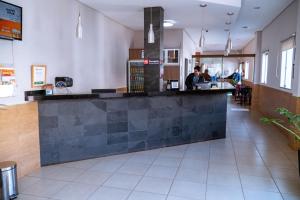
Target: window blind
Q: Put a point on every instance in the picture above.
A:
(289, 43)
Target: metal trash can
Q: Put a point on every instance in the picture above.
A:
(8, 180)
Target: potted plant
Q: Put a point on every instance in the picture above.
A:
(291, 125)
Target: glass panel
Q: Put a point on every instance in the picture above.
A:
(263, 69)
(289, 68)
(247, 70)
(172, 56)
(266, 67)
(283, 69)
(213, 65)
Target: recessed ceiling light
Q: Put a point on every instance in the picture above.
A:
(245, 27)
(169, 23)
(227, 23)
(230, 13)
(256, 7)
(203, 5)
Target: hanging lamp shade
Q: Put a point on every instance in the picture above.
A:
(228, 46)
(202, 40)
(79, 30)
(151, 38)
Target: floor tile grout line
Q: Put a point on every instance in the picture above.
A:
(236, 164)
(101, 185)
(178, 168)
(208, 166)
(269, 172)
(150, 165)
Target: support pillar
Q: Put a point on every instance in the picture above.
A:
(153, 71)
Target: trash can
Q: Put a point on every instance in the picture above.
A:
(8, 180)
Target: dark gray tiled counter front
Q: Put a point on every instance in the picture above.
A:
(73, 130)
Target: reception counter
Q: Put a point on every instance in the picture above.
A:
(77, 127)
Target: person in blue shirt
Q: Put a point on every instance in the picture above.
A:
(236, 77)
(194, 78)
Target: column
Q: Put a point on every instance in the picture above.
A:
(153, 73)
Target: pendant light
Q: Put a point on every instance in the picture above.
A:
(79, 30)
(202, 37)
(228, 46)
(151, 37)
(202, 40)
(229, 43)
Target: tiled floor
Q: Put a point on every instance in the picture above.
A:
(254, 162)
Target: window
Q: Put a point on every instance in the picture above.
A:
(287, 59)
(264, 67)
(247, 70)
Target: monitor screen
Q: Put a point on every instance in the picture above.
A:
(10, 21)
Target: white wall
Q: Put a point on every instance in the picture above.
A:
(280, 29)
(296, 82)
(172, 39)
(250, 48)
(188, 49)
(97, 61)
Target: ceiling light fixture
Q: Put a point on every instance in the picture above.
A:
(169, 23)
(151, 37)
(202, 37)
(228, 46)
(79, 29)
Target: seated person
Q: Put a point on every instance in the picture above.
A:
(236, 77)
(206, 75)
(194, 78)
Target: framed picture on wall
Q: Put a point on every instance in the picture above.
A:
(38, 75)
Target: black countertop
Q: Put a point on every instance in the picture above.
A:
(223, 87)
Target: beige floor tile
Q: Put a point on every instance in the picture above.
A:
(222, 168)
(93, 177)
(123, 181)
(161, 172)
(45, 188)
(106, 193)
(258, 183)
(75, 191)
(261, 195)
(217, 192)
(134, 168)
(167, 161)
(288, 186)
(195, 191)
(259, 171)
(232, 180)
(195, 164)
(190, 175)
(29, 197)
(154, 185)
(146, 196)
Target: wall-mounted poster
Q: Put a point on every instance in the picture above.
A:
(7, 81)
(10, 21)
(38, 75)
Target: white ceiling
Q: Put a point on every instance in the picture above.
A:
(189, 16)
